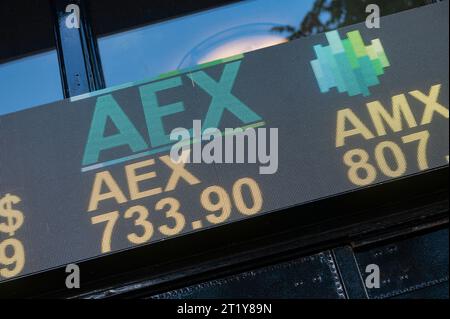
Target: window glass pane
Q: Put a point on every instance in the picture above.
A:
(29, 81)
(29, 70)
(186, 41)
(244, 26)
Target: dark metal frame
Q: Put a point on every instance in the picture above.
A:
(79, 60)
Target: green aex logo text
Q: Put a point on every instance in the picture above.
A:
(107, 108)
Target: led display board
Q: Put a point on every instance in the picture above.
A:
(332, 113)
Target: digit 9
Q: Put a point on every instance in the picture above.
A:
(222, 204)
(16, 259)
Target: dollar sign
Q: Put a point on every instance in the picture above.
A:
(14, 218)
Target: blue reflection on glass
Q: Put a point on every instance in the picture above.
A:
(242, 27)
(29, 81)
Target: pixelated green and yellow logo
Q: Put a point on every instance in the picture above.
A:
(348, 64)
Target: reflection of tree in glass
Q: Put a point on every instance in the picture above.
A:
(328, 15)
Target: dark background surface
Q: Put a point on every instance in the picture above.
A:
(410, 268)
